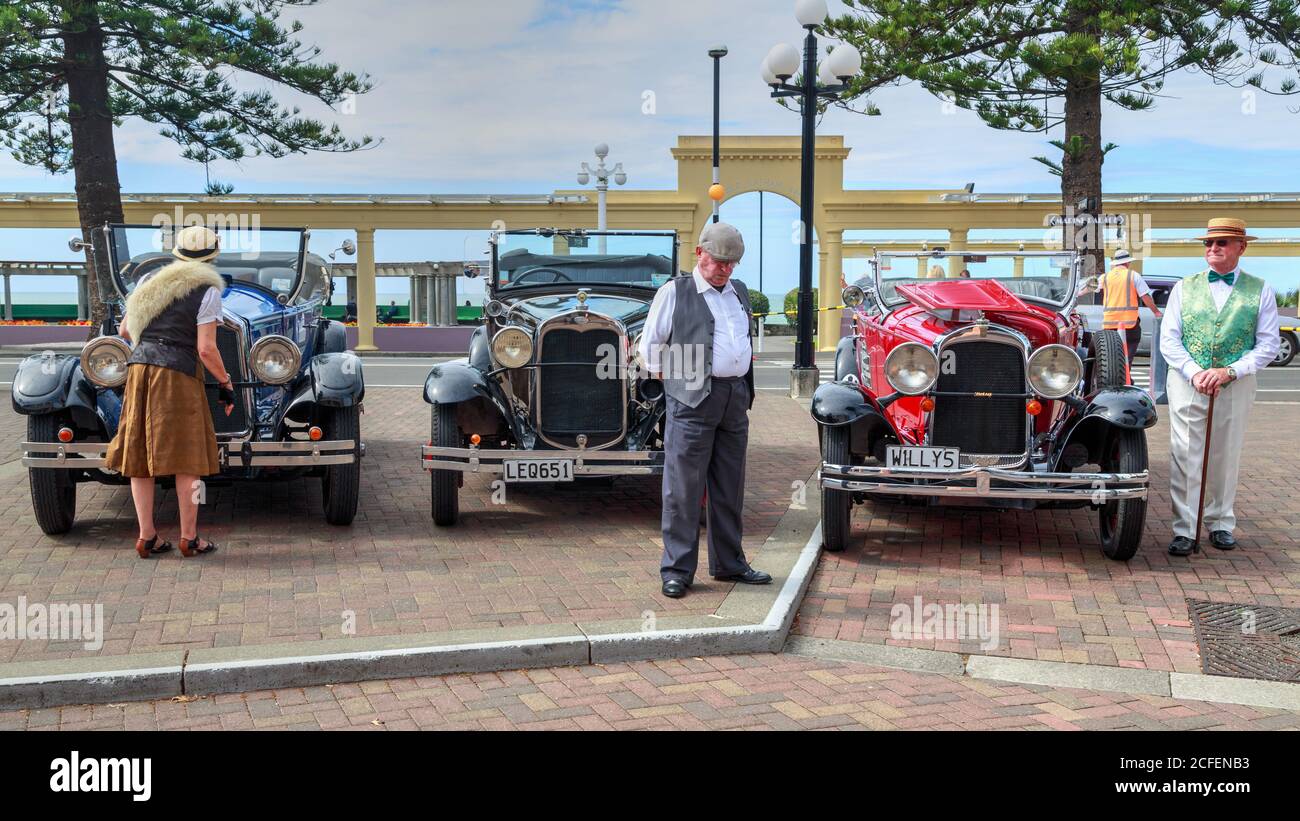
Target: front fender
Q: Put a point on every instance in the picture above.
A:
(336, 379)
(1127, 408)
(840, 403)
(1124, 407)
(51, 382)
(452, 382)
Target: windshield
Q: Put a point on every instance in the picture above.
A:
(1039, 276)
(525, 258)
(268, 258)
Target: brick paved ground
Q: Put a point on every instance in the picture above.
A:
(733, 692)
(552, 554)
(1060, 598)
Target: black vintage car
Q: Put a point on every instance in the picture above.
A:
(298, 391)
(551, 390)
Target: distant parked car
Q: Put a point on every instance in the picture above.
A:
(1090, 307)
(1290, 345)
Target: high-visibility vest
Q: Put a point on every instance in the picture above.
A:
(1121, 299)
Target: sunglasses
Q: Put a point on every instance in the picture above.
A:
(1222, 243)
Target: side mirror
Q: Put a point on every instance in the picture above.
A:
(349, 247)
(471, 272)
(76, 244)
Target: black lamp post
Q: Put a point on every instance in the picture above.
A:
(840, 65)
(717, 53)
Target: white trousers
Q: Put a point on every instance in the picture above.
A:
(1188, 411)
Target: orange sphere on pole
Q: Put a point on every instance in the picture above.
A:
(717, 192)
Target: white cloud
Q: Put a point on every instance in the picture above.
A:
(511, 95)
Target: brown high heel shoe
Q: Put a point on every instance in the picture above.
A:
(190, 547)
(148, 548)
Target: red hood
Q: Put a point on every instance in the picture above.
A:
(963, 294)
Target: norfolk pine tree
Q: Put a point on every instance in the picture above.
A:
(70, 70)
(1033, 66)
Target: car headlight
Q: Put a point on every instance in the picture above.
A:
(911, 368)
(512, 347)
(852, 296)
(495, 308)
(1054, 371)
(275, 359)
(103, 361)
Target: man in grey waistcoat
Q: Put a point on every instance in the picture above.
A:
(697, 339)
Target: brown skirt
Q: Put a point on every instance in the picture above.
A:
(166, 427)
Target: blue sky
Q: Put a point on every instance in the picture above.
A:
(510, 96)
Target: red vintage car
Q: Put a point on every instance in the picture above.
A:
(973, 381)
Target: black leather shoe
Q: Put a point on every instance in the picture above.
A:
(674, 588)
(1182, 546)
(750, 576)
(1223, 539)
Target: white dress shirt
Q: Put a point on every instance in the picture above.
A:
(732, 353)
(1256, 359)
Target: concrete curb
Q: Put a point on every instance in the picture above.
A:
(138, 677)
(751, 619)
(1275, 695)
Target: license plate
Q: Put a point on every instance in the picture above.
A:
(898, 456)
(538, 470)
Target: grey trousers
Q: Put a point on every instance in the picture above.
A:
(705, 447)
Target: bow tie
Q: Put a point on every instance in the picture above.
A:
(1226, 278)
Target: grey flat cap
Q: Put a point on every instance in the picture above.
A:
(722, 241)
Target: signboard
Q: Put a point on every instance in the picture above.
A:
(577, 242)
(1057, 220)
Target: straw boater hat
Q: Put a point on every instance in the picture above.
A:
(196, 243)
(1227, 228)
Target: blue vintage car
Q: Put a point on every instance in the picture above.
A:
(298, 390)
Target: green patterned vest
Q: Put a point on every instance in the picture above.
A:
(1214, 338)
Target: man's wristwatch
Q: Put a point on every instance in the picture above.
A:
(1232, 374)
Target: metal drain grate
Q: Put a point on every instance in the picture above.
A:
(1247, 640)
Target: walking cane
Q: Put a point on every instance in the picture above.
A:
(1205, 469)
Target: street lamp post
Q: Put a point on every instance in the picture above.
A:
(717, 53)
(603, 176)
(836, 70)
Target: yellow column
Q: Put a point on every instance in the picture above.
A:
(828, 291)
(921, 267)
(365, 282)
(956, 242)
(1019, 266)
(559, 246)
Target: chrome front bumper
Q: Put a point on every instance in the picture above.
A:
(986, 483)
(585, 462)
(86, 455)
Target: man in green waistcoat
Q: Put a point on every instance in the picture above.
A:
(1220, 328)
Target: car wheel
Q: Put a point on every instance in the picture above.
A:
(1122, 521)
(837, 505)
(54, 493)
(445, 484)
(1108, 365)
(1289, 344)
(341, 484)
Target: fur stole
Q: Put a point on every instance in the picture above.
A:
(161, 289)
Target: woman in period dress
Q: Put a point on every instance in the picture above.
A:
(166, 428)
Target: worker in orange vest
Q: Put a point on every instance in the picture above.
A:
(1121, 289)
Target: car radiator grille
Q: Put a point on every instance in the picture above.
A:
(573, 399)
(237, 421)
(980, 425)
